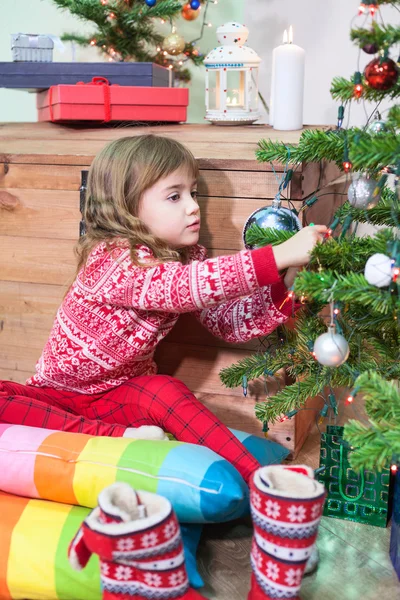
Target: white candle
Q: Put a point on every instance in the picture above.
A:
(271, 102)
(287, 89)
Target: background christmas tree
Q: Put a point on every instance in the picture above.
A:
(352, 283)
(127, 30)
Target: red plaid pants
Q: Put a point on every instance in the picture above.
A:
(147, 400)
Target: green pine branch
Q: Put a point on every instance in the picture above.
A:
(382, 398)
(387, 212)
(291, 397)
(377, 442)
(252, 367)
(367, 152)
(334, 253)
(314, 145)
(130, 33)
(374, 152)
(384, 36)
(350, 253)
(393, 117)
(350, 287)
(343, 89)
(260, 236)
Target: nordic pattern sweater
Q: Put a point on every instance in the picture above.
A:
(115, 313)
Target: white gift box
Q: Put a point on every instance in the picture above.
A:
(27, 47)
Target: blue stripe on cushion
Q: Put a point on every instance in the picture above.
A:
(232, 501)
(201, 486)
(191, 537)
(264, 451)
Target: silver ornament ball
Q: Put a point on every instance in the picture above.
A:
(331, 349)
(361, 193)
(376, 126)
(275, 217)
(379, 270)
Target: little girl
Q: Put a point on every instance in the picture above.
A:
(140, 266)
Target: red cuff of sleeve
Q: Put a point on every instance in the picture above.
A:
(281, 300)
(265, 266)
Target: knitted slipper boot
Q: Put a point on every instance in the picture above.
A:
(138, 540)
(313, 559)
(286, 508)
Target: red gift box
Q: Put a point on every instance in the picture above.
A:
(100, 101)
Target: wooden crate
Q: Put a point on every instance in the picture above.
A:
(40, 175)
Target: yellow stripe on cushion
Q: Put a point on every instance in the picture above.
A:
(97, 464)
(54, 476)
(34, 543)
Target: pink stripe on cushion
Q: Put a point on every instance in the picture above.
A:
(18, 447)
(4, 427)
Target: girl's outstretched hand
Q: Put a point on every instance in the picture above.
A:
(296, 251)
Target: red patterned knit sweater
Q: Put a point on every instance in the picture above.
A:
(110, 322)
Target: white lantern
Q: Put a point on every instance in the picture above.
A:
(232, 78)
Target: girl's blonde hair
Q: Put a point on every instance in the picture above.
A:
(118, 177)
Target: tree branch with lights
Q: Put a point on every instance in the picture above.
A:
(352, 284)
(126, 30)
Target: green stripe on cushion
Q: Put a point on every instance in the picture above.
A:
(142, 461)
(71, 584)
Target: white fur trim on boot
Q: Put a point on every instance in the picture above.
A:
(145, 432)
(287, 483)
(122, 501)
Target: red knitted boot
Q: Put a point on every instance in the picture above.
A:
(286, 507)
(138, 540)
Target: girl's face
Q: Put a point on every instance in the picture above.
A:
(170, 210)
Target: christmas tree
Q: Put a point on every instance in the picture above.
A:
(126, 30)
(346, 332)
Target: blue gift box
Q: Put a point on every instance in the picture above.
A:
(34, 76)
(395, 530)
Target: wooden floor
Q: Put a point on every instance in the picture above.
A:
(354, 565)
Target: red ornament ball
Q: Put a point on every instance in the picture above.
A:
(188, 13)
(381, 74)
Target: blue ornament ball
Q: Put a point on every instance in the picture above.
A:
(194, 4)
(271, 216)
(151, 2)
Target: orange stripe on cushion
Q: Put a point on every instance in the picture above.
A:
(11, 509)
(54, 474)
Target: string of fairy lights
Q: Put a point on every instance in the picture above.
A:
(174, 51)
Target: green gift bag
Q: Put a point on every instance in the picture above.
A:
(361, 497)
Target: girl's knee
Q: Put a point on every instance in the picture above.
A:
(166, 383)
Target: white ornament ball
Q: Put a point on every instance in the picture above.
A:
(331, 349)
(379, 270)
(361, 193)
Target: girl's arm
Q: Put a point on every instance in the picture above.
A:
(255, 315)
(173, 287)
(248, 317)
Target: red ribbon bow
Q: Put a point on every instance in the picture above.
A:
(106, 96)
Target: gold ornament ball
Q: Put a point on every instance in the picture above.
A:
(188, 13)
(174, 44)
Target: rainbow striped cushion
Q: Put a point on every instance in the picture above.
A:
(34, 538)
(73, 468)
